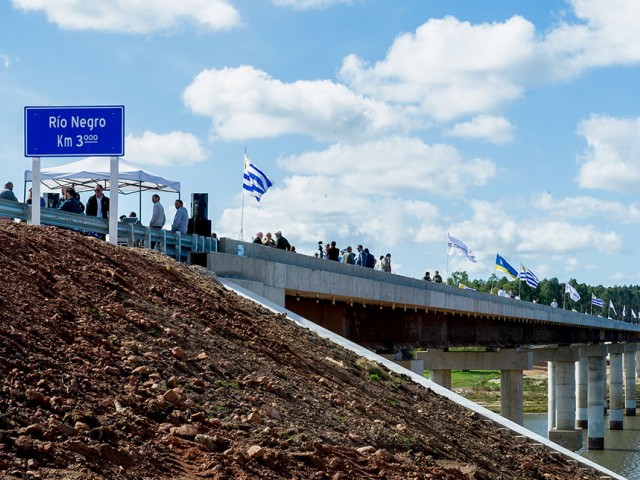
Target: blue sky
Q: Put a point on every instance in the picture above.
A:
(513, 126)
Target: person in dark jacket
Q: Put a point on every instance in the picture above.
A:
(98, 204)
(371, 260)
(70, 204)
(281, 242)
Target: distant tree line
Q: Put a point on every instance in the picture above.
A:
(622, 297)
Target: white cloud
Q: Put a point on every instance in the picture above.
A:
(394, 165)
(585, 207)
(563, 237)
(606, 34)
(489, 128)
(612, 159)
(448, 67)
(309, 4)
(174, 148)
(140, 16)
(246, 103)
(5, 61)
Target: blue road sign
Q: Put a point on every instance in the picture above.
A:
(74, 131)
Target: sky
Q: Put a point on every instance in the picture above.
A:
(512, 126)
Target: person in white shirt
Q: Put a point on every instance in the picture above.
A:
(181, 220)
(157, 218)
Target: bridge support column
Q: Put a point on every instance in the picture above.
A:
(561, 365)
(511, 381)
(441, 377)
(511, 395)
(630, 379)
(616, 389)
(551, 395)
(582, 399)
(596, 363)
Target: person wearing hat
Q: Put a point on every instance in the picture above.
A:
(281, 242)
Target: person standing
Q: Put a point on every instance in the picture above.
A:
(281, 242)
(427, 277)
(98, 204)
(258, 239)
(333, 252)
(157, 216)
(43, 202)
(436, 277)
(268, 241)
(70, 204)
(348, 256)
(362, 257)
(181, 220)
(386, 263)
(7, 193)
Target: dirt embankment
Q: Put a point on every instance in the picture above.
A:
(118, 363)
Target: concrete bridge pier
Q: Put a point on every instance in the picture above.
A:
(441, 377)
(630, 379)
(442, 362)
(616, 389)
(551, 395)
(596, 363)
(582, 381)
(561, 363)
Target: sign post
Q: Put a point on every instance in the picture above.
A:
(75, 132)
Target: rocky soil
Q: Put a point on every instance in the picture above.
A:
(118, 363)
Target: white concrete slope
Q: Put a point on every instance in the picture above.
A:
(369, 355)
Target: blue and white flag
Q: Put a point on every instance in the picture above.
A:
(456, 247)
(255, 182)
(611, 307)
(598, 302)
(528, 276)
(573, 293)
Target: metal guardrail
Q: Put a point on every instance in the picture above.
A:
(132, 235)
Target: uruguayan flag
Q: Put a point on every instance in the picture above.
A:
(598, 302)
(528, 276)
(255, 182)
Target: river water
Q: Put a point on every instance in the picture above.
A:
(622, 447)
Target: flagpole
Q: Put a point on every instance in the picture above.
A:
(591, 312)
(242, 210)
(447, 277)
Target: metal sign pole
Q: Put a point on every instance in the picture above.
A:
(113, 201)
(35, 191)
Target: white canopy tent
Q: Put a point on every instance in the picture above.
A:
(85, 174)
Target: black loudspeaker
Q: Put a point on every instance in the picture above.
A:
(199, 226)
(199, 205)
(51, 200)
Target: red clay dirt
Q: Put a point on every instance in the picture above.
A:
(120, 363)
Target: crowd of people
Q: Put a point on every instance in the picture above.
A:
(362, 257)
(98, 206)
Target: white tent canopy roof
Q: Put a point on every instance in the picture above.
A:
(85, 174)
